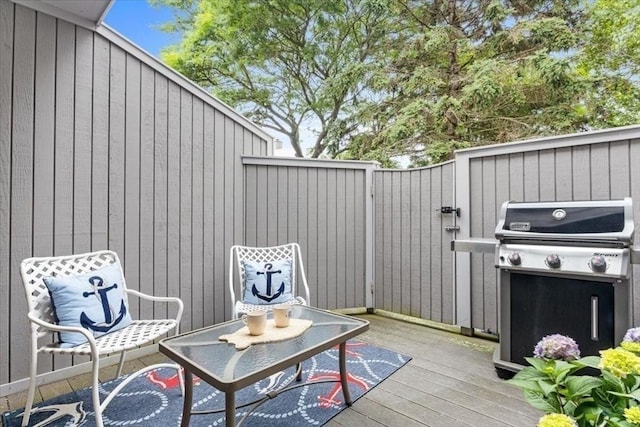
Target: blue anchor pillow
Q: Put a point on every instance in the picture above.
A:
(94, 301)
(267, 282)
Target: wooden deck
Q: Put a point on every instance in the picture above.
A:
(449, 382)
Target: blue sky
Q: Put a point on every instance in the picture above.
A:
(138, 21)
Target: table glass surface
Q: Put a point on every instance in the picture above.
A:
(221, 361)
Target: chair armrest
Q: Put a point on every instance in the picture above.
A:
(53, 326)
(57, 328)
(307, 293)
(148, 297)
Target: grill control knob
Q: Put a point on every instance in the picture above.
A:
(553, 261)
(514, 258)
(598, 264)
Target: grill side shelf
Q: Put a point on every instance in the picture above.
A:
(487, 246)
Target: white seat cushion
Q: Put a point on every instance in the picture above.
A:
(134, 335)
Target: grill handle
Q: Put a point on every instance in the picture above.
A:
(594, 318)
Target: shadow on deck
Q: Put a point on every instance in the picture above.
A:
(449, 382)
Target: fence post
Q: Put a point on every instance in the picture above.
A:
(462, 260)
(370, 237)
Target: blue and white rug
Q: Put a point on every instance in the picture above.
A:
(154, 398)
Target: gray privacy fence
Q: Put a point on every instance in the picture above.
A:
(589, 166)
(413, 260)
(369, 237)
(323, 205)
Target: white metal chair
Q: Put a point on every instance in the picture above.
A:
(42, 320)
(240, 255)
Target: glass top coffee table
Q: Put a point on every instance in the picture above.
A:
(218, 362)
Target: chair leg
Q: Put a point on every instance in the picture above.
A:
(95, 391)
(121, 364)
(32, 389)
(299, 369)
(180, 370)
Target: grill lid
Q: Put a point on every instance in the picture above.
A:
(602, 222)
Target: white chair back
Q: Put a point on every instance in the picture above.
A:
(289, 251)
(42, 320)
(34, 270)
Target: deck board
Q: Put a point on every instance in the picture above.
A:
(450, 382)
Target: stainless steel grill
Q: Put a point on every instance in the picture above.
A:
(564, 267)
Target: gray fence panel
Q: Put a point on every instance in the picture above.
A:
(436, 242)
(414, 270)
(596, 166)
(320, 205)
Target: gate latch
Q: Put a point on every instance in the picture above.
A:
(449, 210)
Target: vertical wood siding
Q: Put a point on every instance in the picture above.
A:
(321, 207)
(6, 89)
(100, 150)
(413, 259)
(605, 169)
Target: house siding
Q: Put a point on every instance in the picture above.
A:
(102, 147)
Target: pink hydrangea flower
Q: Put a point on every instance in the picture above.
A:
(557, 347)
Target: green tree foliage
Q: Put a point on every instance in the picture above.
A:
(377, 79)
(611, 60)
(286, 64)
(476, 72)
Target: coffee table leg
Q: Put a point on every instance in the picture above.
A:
(188, 398)
(230, 408)
(343, 374)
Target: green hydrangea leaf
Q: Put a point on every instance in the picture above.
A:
(563, 369)
(612, 381)
(529, 373)
(530, 385)
(548, 388)
(590, 413)
(635, 395)
(538, 401)
(539, 364)
(581, 385)
(588, 361)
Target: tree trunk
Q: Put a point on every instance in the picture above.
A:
(453, 71)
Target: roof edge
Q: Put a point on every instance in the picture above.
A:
(61, 13)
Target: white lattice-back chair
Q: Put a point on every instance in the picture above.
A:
(289, 251)
(43, 319)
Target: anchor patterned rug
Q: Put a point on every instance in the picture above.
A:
(154, 398)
